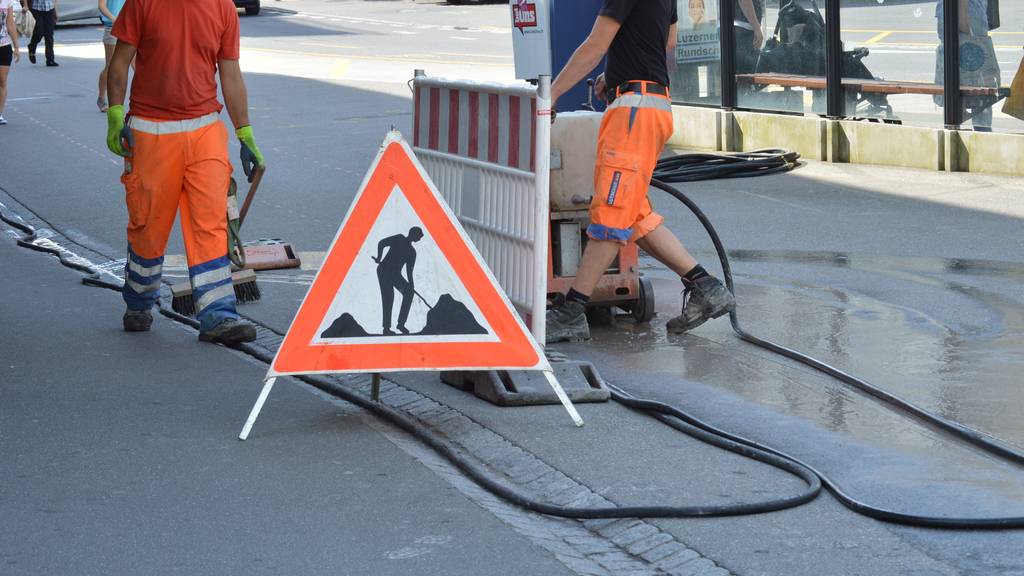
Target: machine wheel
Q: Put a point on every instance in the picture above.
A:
(252, 10)
(643, 309)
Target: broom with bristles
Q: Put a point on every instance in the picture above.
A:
(242, 279)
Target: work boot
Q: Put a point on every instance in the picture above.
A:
(705, 299)
(137, 320)
(230, 331)
(567, 321)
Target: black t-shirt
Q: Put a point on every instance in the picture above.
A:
(638, 50)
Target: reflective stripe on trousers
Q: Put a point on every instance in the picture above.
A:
(141, 280)
(213, 292)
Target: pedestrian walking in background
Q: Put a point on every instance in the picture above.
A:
(109, 9)
(8, 50)
(46, 15)
(176, 152)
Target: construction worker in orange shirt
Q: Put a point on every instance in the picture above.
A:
(176, 151)
(639, 37)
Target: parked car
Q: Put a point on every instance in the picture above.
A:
(252, 7)
(78, 9)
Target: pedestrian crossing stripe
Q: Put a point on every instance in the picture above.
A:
(398, 217)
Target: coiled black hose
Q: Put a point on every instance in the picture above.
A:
(705, 166)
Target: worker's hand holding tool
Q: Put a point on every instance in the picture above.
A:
(251, 155)
(600, 87)
(117, 134)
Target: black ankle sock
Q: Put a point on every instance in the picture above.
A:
(574, 296)
(697, 273)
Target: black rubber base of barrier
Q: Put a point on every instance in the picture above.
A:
(581, 382)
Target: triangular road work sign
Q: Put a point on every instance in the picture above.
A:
(403, 289)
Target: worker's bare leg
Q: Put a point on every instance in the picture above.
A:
(707, 297)
(597, 257)
(667, 249)
(568, 320)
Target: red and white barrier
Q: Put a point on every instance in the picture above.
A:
(490, 123)
(487, 148)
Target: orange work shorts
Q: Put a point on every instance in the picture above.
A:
(633, 132)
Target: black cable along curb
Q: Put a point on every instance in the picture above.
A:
(668, 414)
(478, 473)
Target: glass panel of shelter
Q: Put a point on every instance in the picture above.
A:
(892, 61)
(780, 55)
(695, 68)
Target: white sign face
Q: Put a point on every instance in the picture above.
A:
(377, 303)
(531, 38)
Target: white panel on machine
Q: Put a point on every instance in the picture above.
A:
(573, 151)
(531, 38)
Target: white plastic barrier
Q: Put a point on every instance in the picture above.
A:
(487, 148)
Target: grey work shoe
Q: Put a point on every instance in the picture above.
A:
(230, 331)
(706, 299)
(567, 321)
(137, 320)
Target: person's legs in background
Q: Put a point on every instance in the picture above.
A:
(37, 34)
(109, 42)
(51, 26)
(6, 53)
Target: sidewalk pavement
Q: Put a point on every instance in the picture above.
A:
(120, 456)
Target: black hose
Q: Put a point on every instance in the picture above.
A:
(703, 166)
(973, 437)
(477, 472)
(668, 414)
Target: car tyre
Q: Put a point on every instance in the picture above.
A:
(252, 10)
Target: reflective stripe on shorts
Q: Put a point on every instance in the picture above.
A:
(159, 128)
(634, 100)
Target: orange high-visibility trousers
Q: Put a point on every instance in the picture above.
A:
(634, 129)
(179, 165)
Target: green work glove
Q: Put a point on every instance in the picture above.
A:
(117, 133)
(251, 155)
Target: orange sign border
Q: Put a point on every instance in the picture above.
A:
(394, 166)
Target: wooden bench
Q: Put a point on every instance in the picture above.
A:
(866, 85)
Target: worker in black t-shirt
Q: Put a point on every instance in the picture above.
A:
(638, 37)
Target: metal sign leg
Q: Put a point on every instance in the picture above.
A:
(564, 398)
(375, 387)
(267, 386)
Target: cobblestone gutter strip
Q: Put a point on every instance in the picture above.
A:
(589, 547)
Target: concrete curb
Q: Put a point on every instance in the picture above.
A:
(848, 141)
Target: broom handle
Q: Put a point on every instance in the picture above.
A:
(256, 177)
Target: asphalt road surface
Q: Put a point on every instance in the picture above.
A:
(911, 279)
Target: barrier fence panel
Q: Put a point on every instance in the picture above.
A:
(479, 144)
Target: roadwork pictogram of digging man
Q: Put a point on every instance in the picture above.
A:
(400, 255)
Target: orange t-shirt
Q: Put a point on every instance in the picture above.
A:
(179, 43)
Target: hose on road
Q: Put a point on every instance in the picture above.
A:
(677, 170)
